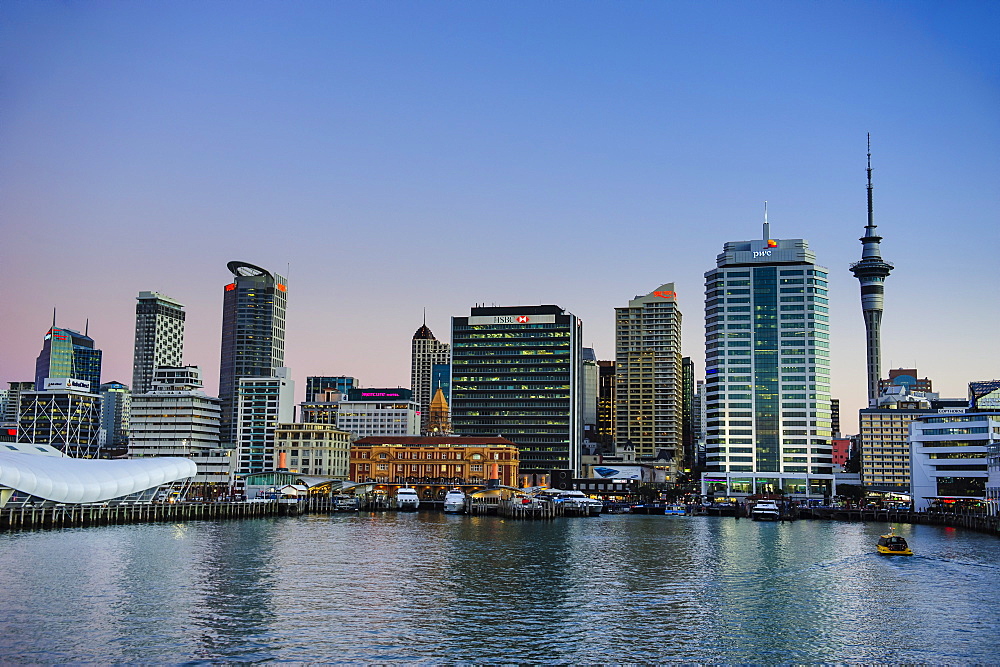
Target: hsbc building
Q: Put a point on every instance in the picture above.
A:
(516, 374)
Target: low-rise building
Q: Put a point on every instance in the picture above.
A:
(434, 464)
(65, 415)
(951, 458)
(313, 449)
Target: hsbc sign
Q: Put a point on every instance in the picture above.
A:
(512, 319)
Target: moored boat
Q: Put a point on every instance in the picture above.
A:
(407, 499)
(765, 510)
(893, 545)
(675, 509)
(454, 501)
(577, 502)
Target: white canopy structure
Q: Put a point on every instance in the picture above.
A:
(44, 472)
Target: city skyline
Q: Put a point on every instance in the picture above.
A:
(361, 144)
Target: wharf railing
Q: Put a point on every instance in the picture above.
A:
(26, 517)
(972, 520)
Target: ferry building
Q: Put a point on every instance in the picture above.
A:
(767, 369)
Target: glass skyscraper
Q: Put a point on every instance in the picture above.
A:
(68, 354)
(516, 374)
(253, 334)
(767, 366)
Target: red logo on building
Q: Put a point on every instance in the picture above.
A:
(521, 319)
(666, 295)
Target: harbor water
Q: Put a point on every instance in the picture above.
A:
(428, 587)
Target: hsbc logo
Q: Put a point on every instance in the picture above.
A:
(523, 319)
(511, 319)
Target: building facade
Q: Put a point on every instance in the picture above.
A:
(649, 396)
(324, 384)
(68, 354)
(433, 463)
(767, 361)
(606, 406)
(313, 449)
(952, 455)
(12, 402)
(884, 435)
(116, 409)
(262, 404)
(516, 374)
(177, 418)
(984, 396)
(64, 415)
(253, 335)
(159, 337)
(906, 377)
(426, 352)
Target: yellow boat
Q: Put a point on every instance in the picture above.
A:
(893, 545)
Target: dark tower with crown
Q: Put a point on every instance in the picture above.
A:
(871, 272)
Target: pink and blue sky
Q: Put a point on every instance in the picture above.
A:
(396, 156)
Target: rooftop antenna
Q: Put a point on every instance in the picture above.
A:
(86, 328)
(425, 315)
(871, 215)
(767, 227)
(53, 317)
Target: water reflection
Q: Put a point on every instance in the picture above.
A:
(428, 587)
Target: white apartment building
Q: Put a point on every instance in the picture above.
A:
(261, 404)
(952, 456)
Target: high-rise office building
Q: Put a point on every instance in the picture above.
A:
(426, 352)
(590, 388)
(516, 374)
(116, 408)
(65, 415)
(606, 406)
(871, 271)
(649, 399)
(262, 404)
(767, 367)
(687, 410)
(323, 384)
(159, 337)
(253, 334)
(68, 354)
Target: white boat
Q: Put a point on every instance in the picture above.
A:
(454, 502)
(765, 510)
(407, 499)
(579, 502)
(346, 503)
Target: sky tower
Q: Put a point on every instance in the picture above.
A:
(872, 271)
